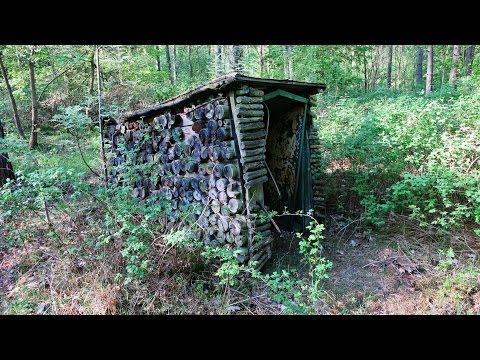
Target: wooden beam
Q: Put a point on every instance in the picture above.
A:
(280, 92)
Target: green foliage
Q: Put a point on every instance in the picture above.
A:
(447, 260)
(405, 153)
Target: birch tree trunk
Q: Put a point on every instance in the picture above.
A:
(428, 87)
(454, 70)
(16, 117)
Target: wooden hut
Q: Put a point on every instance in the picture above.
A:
(232, 147)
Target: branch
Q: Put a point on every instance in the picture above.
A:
(56, 77)
(81, 154)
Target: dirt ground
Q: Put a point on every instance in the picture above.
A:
(405, 270)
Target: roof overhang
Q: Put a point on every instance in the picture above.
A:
(223, 83)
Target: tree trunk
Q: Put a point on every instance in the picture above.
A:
(190, 66)
(16, 117)
(237, 53)
(6, 169)
(218, 60)
(159, 63)
(169, 64)
(100, 117)
(174, 64)
(33, 143)
(260, 59)
(444, 64)
(428, 87)
(389, 67)
(92, 73)
(469, 52)
(419, 68)
(365, 83)
(290, 61)
(454, 70)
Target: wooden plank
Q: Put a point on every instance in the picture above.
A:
(280, 92)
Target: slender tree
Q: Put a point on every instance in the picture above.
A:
(92, 72)
(159, 63)
(288, 61)
(469, 52)
(174, 64)
(6, 168)
(261, 60)
(169, 64)
(16, 117)
(33, 143)
(444, 64)
(454, 69)
(217, 53)
(236, 58)
(419, 68)
(100, 117)
(190, 65)
(428, 87)
(389, 66)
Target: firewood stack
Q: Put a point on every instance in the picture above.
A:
(318, 179)
(251, 133)
(197, 165)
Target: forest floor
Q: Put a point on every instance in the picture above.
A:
(404, 270)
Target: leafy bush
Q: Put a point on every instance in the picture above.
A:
(416, 155)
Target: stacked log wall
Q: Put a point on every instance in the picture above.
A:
(250, 131)
(318, 178)
(190, 159)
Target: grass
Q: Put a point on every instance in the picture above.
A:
(57, 149)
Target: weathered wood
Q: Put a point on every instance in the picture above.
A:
(255, 158)
(225, 210)
(248, 99)
(214, 153)
(230, 171)
(261, 228)
(244, 113)
(204, 153)
(216, 206)
(248, 120)
(253, 144)
(204, 136)
(212, 126)
(212, 180)
(203, 185)
(197, 126)
(235, 205)
(221, 184)
(249, 106)
(240, 240)
(223, 133)
(218, 170)
(222, 197)
(268, 239)
(228, 150)
(209, 111)
(222, 111)
(236, 227)
(222, 224)
(197, 195)
(251, 126)
(253, 135)
(198, 112)
(233, 189)
(255, 181)
(249, 166)
(176, 167)
(247, 176)
(252, 152)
